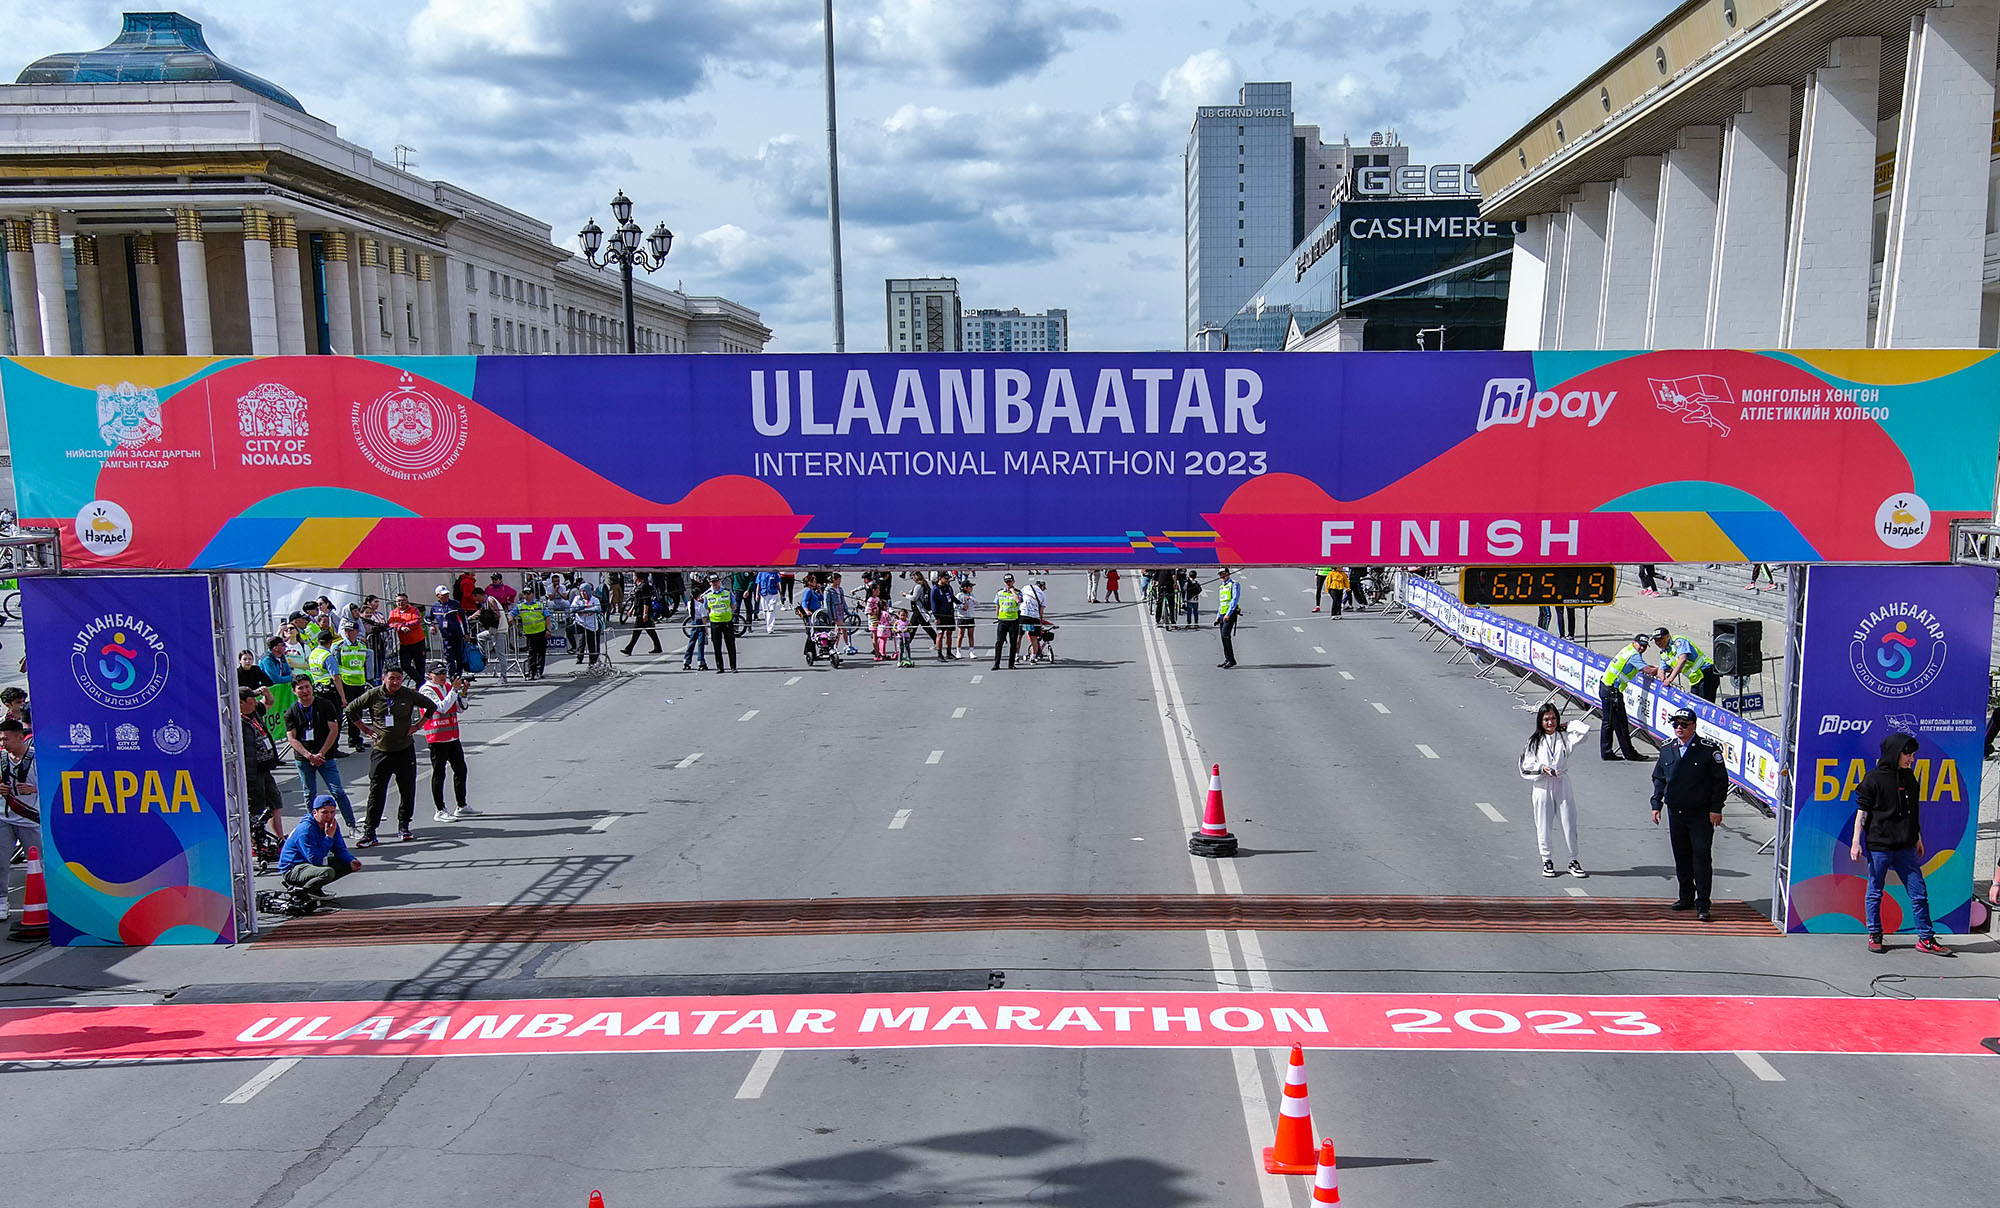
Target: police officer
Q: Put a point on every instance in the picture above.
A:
(1228, 607)
(350, 661)
(720, 603)
(319, 662)
(532, 617)
(1690, 783)
(1626, 666)
(1007, 622)
(1686, 656)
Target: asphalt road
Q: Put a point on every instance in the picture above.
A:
(1354, 761)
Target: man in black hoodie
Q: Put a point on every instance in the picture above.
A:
(1887, 818)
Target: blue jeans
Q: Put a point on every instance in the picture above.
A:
(697, 648)
(1910, 869)
(330, 773)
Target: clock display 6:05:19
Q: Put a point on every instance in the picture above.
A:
(1562, 586)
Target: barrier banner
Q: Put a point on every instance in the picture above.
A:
(1888, 649)
(1749, 750)
(128, 756)
(1154, 458)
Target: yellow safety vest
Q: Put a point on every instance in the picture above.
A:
(1007, 605)
(353, 664)
(317, 666)
(1225, 597)
(1621, 671)
(533, 618)
(720, 607)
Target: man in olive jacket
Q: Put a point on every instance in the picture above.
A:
(1690, 783)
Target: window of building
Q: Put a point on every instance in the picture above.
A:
(410, 321)
(1239, 169)
(1239, 262)
(471, 281)
(507, 330)
(545, 339)
(507, 288)
(1239, 243)
(382, 316)
(1239, 224)
(1239, 189)
(1239, 130)
(1239, 205)
(471, 326)
(496, 333)
(492, 282)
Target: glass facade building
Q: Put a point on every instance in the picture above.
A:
(1394, 274)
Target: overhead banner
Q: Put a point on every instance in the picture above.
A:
(1749, 751)
(1163, 458)
(1883, 650)
(128, 758)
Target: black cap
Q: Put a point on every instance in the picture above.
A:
(1663, 632)
(1681, 715)
(1641, 639)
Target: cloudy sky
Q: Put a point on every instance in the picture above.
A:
(1030, 148)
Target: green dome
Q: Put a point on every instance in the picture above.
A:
(153, 48)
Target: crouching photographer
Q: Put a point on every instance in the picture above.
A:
(315, 856)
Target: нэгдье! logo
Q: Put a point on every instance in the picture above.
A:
(119, 661)
(410, 433)
(1898, 650)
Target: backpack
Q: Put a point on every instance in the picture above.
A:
(291, 903)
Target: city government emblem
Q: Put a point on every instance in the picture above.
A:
(409, 433)
(128, 416)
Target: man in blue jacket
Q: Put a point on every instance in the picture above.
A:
(1690, 782)
(314, 855)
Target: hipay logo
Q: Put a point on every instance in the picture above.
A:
(1513, 401)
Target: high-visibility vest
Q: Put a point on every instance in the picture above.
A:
(319, 666)
(534, 619)
(1007, 605)
(1621, 670)
(1699, 665)
(353, 663)
(1225, 597)
(441, 726)
(720, 607)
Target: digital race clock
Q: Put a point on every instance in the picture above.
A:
(1554, 586)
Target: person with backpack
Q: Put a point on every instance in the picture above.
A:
(1888, 835)
(1191, 599)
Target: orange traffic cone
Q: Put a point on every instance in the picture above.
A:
(1326, 1183)
(1293, 1151)
(34, 921)
(597, 1199)
(1214, 839)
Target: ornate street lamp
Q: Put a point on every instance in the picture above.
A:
(625, 251)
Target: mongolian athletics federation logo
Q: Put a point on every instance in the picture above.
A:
(409, 433)
(119, 661)
(1693, 398)
(1898, 650)
(128, 416)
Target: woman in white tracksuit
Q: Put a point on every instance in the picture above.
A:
(1545, 765)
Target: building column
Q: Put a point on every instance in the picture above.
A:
(152, 303)
(1583, 265)
(1746, 294)
(21, 288)
(1828, 259)
(339, 300)
(370, 262)
(400, 335)
(285, 280)
(1527, 282)
(51, 301)
(1628, 255)
(1936, 251)
(89, 295)
(1684, 240)
(427, 331)
(1552, 287)
(191, 258)
(259, 289)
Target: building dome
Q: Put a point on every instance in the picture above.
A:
(153, 48)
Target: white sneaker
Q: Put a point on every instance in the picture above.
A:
(1576, 870)
(453, 816)
(441, 816)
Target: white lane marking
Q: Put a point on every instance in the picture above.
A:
(604, 824)
(494, 742)
(264, 1078)
(1575, 892)
(747, 716)
(687, 763)
(1281, 612)
(1486, 807)
(958, 713)
(759, 1075)
(1379, 706)
(1765, 1071)
(795, 679)
(1346, 675)
(934, 756)
(22, 965)
(1322, 650)
(977, 678)
(1263, 597)
(1301, 629)
(901, 820)
(1426, 751)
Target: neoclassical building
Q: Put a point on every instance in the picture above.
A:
(158, 200)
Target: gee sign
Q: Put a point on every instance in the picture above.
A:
(1416, 180)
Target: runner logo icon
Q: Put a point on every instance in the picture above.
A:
(119, 661)
(1693, 398)
(1898, 650)
(409, 433)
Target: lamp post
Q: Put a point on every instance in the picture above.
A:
(625, 250)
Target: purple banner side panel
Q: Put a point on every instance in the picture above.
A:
(128, 751)
(1886, 650)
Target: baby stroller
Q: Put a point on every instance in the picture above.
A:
(1047, 633)
(820, 642)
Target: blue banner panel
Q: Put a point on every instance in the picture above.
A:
(128, 748)
(1883, 650)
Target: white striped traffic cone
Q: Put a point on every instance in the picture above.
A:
(1213, 839)
(1326, 1182)
(1292, 1152)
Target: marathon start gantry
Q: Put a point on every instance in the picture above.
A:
(1005, 401)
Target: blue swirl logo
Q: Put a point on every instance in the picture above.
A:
(1898, 650)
